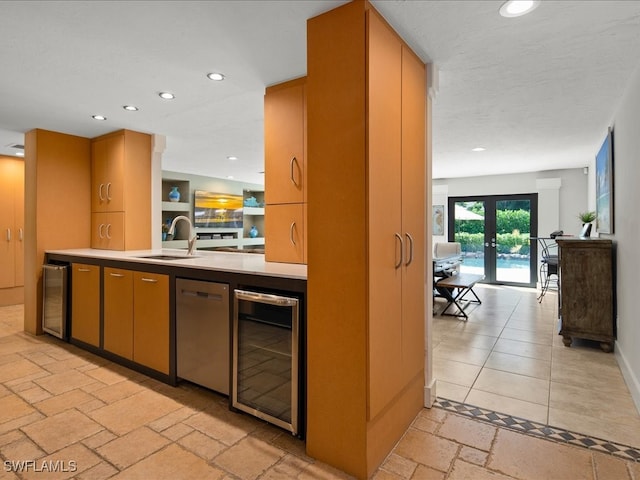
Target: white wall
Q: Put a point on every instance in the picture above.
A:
(627, 232)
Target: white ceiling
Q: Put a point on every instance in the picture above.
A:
(538, 92)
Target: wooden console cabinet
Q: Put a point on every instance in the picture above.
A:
(587, 290)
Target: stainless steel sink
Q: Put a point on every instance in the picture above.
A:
(168, 257)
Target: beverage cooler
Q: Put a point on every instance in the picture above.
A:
(267, 376)
(54, 300)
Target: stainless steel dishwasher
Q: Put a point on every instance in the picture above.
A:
(202, 331)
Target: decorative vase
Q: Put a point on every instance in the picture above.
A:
(253, 233)
(174, 195)
(164, 236)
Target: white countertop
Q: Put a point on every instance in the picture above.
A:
(251, 263)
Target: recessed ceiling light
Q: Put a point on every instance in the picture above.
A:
(98, 117)
(232, 157)
(130, 108)
(516, 8)
(19, 154)
(167, 95)
(478, 149)
(218, 77)
(230, 177)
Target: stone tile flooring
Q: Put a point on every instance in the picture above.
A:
(65, 413)
(508, 357)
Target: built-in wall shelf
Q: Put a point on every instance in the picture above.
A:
(210, 238)
(253, 210)
(176, 207)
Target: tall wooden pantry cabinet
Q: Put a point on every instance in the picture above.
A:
(285, 172)
(366, 144)
(11, 226)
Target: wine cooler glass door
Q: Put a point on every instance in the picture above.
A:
(265, 357)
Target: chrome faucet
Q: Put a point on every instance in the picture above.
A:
(192, 234)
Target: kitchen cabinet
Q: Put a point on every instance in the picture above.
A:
(11, 222)
(136, 317)
(286, 233)
(285, 171)
(151, 320)
(121, 187)
(107, 230)
(366, 168)
(284, 142)
(85, 303)
(587, 290)
(118, 311)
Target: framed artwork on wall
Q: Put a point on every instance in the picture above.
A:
(604, 185)
(438, 219)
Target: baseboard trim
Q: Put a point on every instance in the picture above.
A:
(633, 383)
(11, 296)
(430, 394)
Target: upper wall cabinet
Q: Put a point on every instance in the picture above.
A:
(285, 171)
(284, 142)
(121, 183)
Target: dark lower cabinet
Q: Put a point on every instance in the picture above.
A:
(587, 290)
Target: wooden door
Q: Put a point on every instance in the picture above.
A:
(114, 230)
(151, 320)
(118, 312)
(99, 159)
(107, 230)
(19, 221)
(7, 223)
(85, 303)
(284, 133)
(413, 212)
(285, 233)
(386, 237)
(114, 177)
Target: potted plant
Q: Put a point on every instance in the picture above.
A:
(586, 218)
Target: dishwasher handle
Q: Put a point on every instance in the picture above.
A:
(195, 293)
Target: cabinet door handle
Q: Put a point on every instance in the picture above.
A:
(109, 231)
(100, 234)
(21, 234)
(149, 280)
(399, 238)
(8, 234)
(293, 161)
(100, 192)
(291, 229)
(410, 238)
(118, 275)
(109, 191)
(83, 270)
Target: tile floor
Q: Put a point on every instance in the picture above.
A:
(509, 358)
(83, 417)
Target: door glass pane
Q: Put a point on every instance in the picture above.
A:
(513, 227)
(469, 231)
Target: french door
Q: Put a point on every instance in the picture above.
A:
(494, 232)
